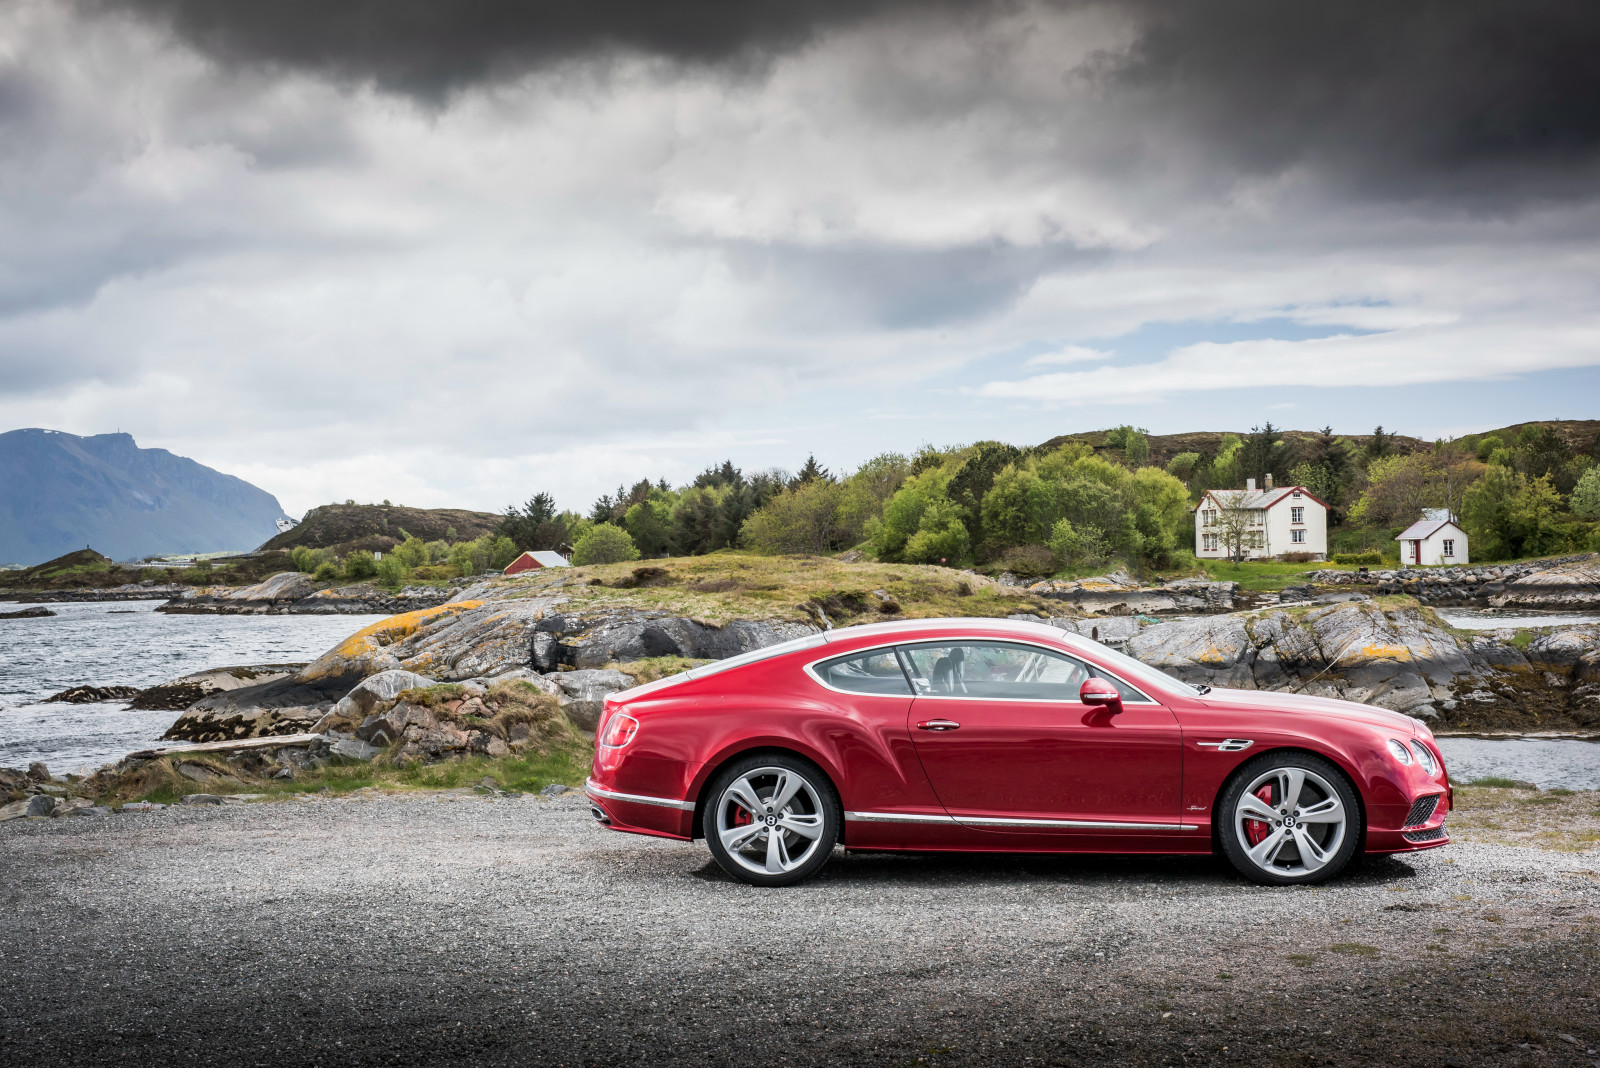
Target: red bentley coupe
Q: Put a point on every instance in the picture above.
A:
(985, 734)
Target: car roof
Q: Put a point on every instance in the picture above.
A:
(915, 629)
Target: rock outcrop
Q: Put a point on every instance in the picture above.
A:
(28, 613)
(1568, 582)
(180, 693)
(1401, 658)
(84, 695)
(292, 593)
(1118, 594)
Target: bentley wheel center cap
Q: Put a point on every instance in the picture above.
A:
(772, 821)
(1288, 821)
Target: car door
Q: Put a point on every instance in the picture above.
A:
(1008, 745)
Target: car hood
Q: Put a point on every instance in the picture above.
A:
(1303, 705)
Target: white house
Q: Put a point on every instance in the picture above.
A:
(1275, 521)
(1433, 539)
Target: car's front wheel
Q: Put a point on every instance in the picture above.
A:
(772, 819)
(1289, 818)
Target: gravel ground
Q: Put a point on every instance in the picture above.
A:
(417, 929)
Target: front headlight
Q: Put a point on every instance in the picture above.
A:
(1425, 757)
(1401, 753)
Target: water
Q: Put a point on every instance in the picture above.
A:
(1497, 619)
(1545, 762)
(127, 643)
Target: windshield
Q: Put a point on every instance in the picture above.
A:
(1134, 670)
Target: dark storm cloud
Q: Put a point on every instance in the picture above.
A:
(428, 47)
(1465, 95)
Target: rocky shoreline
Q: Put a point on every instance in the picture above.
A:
(292, 593)
(1568, 582)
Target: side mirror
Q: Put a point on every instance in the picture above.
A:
(1100, 692)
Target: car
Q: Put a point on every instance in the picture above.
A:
(1005, 736)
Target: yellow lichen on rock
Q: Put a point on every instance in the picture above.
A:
(370, 641)
(1378, 651)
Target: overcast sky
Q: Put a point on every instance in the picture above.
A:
(454, 254)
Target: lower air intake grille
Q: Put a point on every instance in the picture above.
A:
(1424, 836)
(1422, 810)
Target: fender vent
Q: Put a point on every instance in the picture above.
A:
(1421, 810)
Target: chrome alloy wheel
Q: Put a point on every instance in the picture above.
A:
(1290, 821)
(769, 820)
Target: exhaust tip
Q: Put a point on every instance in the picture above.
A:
(599, 814)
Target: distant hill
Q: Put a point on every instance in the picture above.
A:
(376, 527)
(1164, 447)
(60, 492)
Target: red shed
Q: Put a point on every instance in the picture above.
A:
(531, 561)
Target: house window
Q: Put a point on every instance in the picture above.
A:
(1209, 517)
(1257, 517)
(1297, 536)
(1296, 494)
(1209, 541)
(1297, 515)
(1449, 546)
(1255, 539)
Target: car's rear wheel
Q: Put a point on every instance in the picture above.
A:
(772, 820)
(1290, 818)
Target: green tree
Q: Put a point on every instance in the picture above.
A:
(902, 513)
(1077, 547)
(1509, 514)
(800, 520)
(304, 558)
(604, 543)
(1183, 466)
(360, 565)
(392, 570)
(1586, 494)
(941, 536)
(648, 523)
(811, 472)
(866, 490)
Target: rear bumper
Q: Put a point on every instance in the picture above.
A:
(663, 817)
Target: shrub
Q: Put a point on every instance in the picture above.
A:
(1028, 561)
(1182, 560)
(1366, 557)
(360, 565)
(1077, 546)
(326, 571)
(604, 544)
(304, 559)
(1298, 558)
(392, 570)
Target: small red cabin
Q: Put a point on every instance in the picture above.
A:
(532, 561)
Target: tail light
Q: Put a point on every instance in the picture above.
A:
(619, 730)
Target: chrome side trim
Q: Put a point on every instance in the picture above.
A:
(593, 790)
(1229, 745)
(993, 821)
(896, 817)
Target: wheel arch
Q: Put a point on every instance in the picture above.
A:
(712, 769)
(1350, 780)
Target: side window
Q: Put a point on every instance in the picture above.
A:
(1002, 671)
(875, 672)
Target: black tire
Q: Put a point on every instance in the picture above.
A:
(812, 806)
(1285, 865)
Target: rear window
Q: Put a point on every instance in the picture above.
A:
(877, 671)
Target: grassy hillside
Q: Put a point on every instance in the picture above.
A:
(86, 568)
(376, 527)
(726, 585)
(1163, 447)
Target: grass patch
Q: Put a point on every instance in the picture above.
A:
(1354, 949)
(725, 586)
(1502, 812)
(1301, 960)
(1522, 639)
(656, 667)
(1267, 576)
(1496, 782)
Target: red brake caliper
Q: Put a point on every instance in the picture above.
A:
(1257, 830)
(741, 818)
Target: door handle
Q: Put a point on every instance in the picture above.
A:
(938, 725)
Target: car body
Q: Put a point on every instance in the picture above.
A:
(984, 741)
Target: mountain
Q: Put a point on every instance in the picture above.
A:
(60, 492)
(377, 527)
